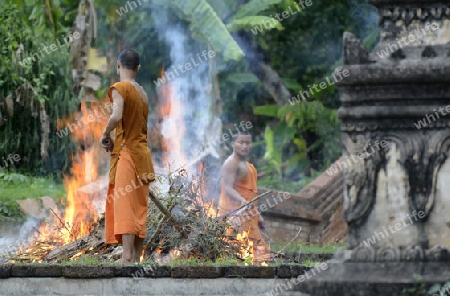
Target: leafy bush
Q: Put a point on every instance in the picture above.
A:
(28, 92)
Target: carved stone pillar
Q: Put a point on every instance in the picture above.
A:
(396, 198)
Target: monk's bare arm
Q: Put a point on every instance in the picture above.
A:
(229, 173)
(117, 113)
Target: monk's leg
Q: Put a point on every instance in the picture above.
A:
(128, 248)
(138, 246)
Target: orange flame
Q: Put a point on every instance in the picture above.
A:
(80, 213)
(173, 129)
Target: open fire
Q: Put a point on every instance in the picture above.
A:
(81, 209)
(84, 202)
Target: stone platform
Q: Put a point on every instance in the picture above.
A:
(376, 278)
(34, 279)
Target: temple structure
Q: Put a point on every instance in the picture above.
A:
(395, 123)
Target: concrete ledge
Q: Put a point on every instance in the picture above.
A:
(91, 272)
(142, 271)
(290, 271)
(5, 271)
(159, 271)
(250, 271)
(300, 257)
(140, 286)
(195, 272)
(36, 271)
(375, 278)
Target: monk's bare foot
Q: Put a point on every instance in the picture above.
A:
(125, 261)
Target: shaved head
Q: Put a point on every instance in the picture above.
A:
(129, 59)
(240, 133)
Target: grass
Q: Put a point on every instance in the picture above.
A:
(308, 262)
(277, 183)
(14, 187)
(196, 262)
(295, 248)
(86, 260)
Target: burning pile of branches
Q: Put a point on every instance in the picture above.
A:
(181, 224)
(191, 230)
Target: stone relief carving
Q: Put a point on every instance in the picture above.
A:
(413, 253)
(406, 15)
(388, 253)
(386, 124)
(364, 253)
(420, 155)
(360, 177)
(437, 253)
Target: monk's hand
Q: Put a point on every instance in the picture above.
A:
(261, 223)
(107, 142)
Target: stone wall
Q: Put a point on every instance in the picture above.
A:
(317, 209)
(162, 280)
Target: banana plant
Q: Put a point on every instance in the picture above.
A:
(214, 21)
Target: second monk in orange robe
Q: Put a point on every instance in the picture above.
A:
(239, 186)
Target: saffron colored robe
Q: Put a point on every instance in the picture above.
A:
(131, 169)
(247, 188)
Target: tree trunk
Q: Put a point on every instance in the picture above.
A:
(254, 54)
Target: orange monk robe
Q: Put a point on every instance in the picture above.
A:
(131, 169)
(248, 189)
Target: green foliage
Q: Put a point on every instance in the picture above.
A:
(45, 81)
(249, 22)
(206, 25)
(49, 18)
(85, 259)
(253, 7)
(305, 53)
(440, 290)
(419, 290)
(11, 209)
(14, 187)
(285, 144)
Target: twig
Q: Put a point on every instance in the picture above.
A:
(158, 228)
(65, 226)
(243, 206)
(161, 207)
(279, 252)
(60, 221)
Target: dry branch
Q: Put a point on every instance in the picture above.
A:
(91, 240)
(243, 206)
(157, 231)
(161, 207)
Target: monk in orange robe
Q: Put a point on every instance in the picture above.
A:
(131, 167)
(238, 187)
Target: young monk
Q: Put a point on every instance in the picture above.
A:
(131, 167)
(238, 187)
